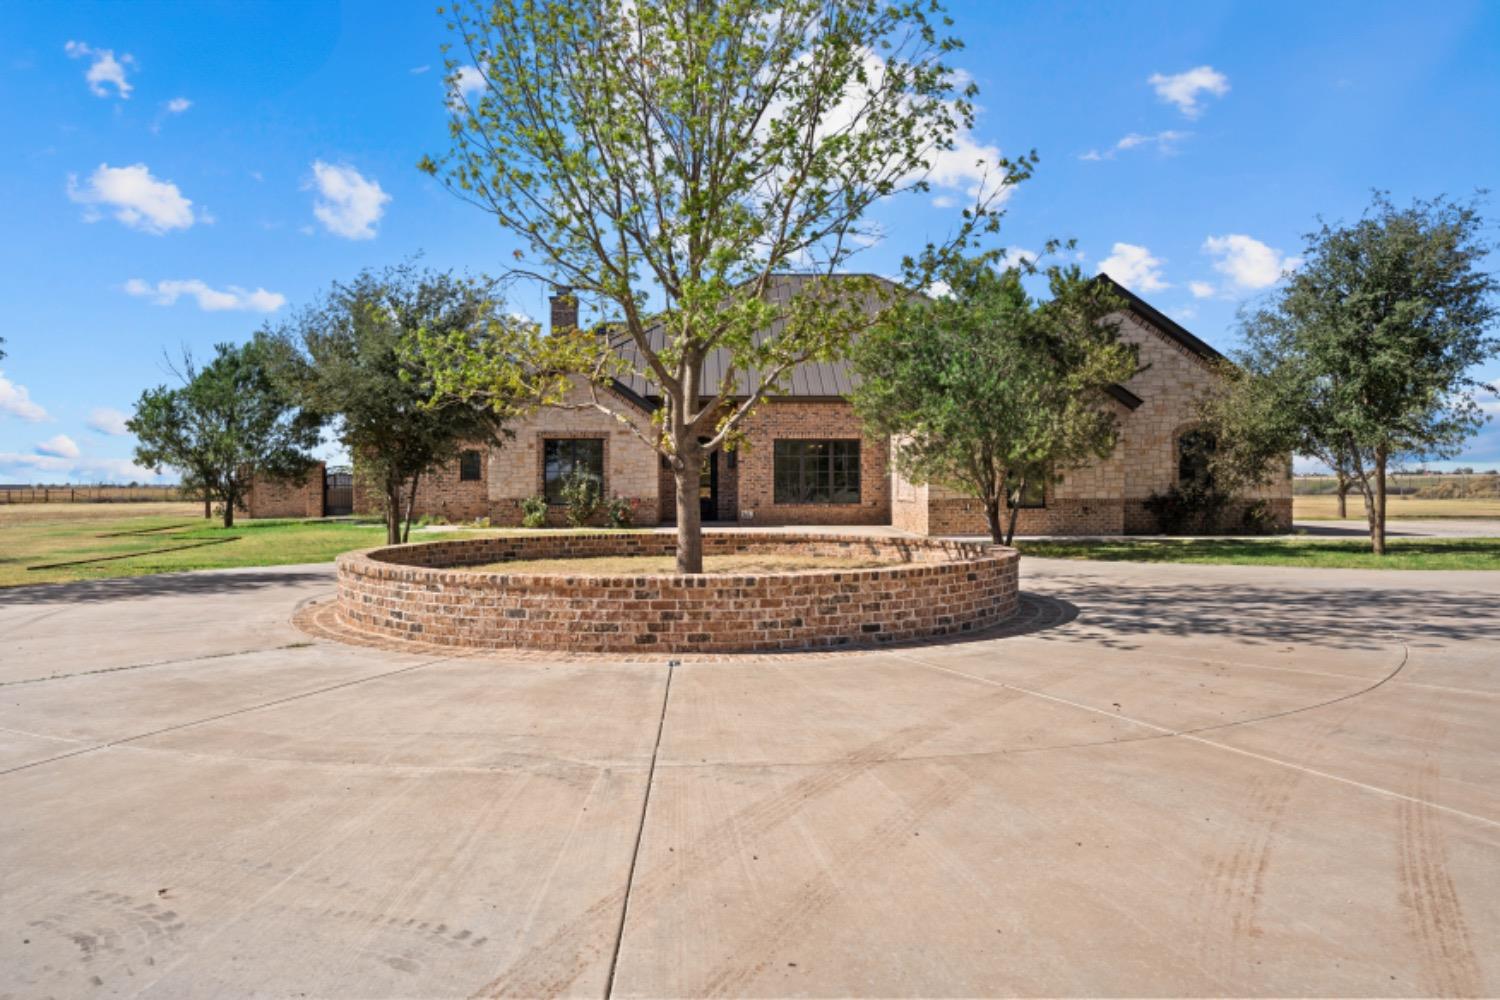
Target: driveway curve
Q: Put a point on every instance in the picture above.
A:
(1162, 780)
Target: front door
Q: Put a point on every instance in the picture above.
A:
(708, 488)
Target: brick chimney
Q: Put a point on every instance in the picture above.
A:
(564, 308)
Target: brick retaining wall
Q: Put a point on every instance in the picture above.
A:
(932, 588)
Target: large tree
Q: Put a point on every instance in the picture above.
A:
(665, 160)
(353, 358)
(990, 391)
(1363, 356)
(227, 423)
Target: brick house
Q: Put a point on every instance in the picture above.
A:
(807, 461)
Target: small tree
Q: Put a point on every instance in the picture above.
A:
(987, 390)
(353, 357)
(226, 424)
(1363, 356)
(668, 158)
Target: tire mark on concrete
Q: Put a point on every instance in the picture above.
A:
(556, 963)
(756, 953)
(1429, 897)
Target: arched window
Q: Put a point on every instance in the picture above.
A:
(1195, 449)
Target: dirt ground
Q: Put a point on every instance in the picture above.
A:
(738, 563)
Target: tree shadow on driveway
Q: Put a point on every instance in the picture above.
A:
(214, 583)
(1117, 614)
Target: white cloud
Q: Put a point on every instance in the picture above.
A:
(1020, 257)
(108, 421)
(1183, 89)
(970, 166)
(59, 446)
(416, 70)
(465, 83)
(1185, 313)
(1165, 142)
(939, 290)
(1200, 289)
(177, 105)
(1248, 262)
(231, 297)
(16, 402)
(349, 204)
(104, 70)
(1134, 267)
(944, 201)
(139, 200)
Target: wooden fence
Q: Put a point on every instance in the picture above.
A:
(89, 494)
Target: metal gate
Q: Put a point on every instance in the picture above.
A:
(338, 492)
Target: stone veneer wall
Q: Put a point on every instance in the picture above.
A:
(513, 469)
(287, 498)
(827, 419)
(931, 588)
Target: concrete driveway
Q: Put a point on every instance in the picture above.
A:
(1166, 780)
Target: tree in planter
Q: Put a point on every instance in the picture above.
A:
(667, 159)
(228, 423)
(989, 391)
(354, 358)
(1363, 356)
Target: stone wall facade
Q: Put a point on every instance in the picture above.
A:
(1108, 497)
(929, 589)
(513, 468)
(831, 420)
(1102, 497)
(287, 497)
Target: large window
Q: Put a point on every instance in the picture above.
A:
(468, 466)
(817, 471)
(563, 457)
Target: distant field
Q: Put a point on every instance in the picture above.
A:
(87, 494)
(1322, 508)
(36, 513)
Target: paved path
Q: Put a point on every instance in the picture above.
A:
(1437, 527)
(1198, 780)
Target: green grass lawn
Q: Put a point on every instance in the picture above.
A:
(33, 538)
(1402, 553)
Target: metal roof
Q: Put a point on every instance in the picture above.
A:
(837, 379)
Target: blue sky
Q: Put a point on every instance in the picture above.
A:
(178, 174)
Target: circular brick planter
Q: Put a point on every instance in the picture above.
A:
(928, 589)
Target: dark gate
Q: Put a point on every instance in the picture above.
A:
(338, 492)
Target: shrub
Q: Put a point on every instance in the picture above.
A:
(581, 499)
(1186, 510)
(534, 512)
(621, 512)
(1259, 519)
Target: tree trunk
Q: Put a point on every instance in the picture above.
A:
(687, 474)
(1343, 496)
(1015, 512)
(229, 498)
(1377, 524)
(992, 518)
(411, 505)
(393, 512)
(208, 506)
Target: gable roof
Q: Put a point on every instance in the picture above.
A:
(1174, 330)
(837, 379)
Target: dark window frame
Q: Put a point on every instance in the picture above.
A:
(567, 452)
(470, 466)
(824, 471)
